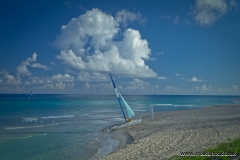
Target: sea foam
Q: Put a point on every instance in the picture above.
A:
(50, 117)
(12, 128)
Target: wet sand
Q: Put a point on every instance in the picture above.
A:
(177, 131)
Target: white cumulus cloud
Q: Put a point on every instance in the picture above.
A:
(87, 85)
(38, 65)
(94, 76)
(39, 80)
(22, 68)
(162, 78)
(9, 79)
(138, 84)
(203, 88)
(52, 79)
(235, 87)
(88, 43)
(27, 83)
(126, 16)
(206, 12)
(62, 78)
(55, 86)
(195, 79)
(171, 88)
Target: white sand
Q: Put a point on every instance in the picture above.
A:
(179, 131)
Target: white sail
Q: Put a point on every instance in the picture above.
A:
(129, 110)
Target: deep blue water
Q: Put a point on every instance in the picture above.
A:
(69, 126)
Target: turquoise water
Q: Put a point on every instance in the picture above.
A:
(69, 126)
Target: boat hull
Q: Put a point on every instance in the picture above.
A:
(125, 125)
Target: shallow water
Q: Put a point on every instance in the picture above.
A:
(69, 126)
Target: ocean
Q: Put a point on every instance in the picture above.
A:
(57, 126)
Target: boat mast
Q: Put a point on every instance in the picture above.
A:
(118, 97)
(30, 96)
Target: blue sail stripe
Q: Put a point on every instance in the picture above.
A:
(112, 81)
(118, 98)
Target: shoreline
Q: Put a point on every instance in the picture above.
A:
(123, 136)
(172, 132)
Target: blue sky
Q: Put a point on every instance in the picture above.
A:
(150, 47)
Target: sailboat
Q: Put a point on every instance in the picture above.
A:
(30, 96)
(128, 122)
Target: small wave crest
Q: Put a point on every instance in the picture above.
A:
(162, 104)
(29, 119)
(14, 128)
(27, 127)
(32, 119)
(172, 105)
(140, 110)
(31, 135)
(51, 117)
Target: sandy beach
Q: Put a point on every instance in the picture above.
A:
(177, 131)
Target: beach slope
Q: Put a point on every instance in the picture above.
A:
(171, 133)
